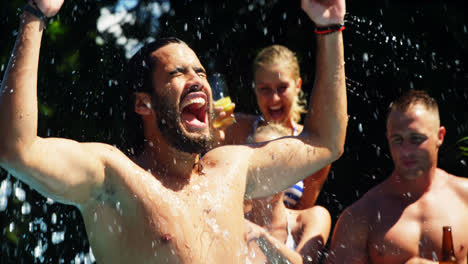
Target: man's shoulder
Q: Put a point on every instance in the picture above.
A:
(107, 153)
(117, 165)
(227, 156)
(455, 178)
(368, 204)
(459, 184)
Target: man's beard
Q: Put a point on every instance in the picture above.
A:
(170, 125)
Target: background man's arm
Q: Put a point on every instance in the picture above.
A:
(349, 240)
(281, 163)
(62, 169)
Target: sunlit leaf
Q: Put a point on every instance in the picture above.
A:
(55, 29)
(13, 237)
(45, 110)
(463, 140)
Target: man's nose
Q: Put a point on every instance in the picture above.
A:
(406, 149)
(194, 80)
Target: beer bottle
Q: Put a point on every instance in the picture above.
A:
(448, 254)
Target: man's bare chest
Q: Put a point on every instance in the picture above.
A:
(400, 232)
(148, 219)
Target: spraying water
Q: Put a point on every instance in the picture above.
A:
(383, 58)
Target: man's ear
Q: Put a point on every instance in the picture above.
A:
(440, 136)
(143, 103)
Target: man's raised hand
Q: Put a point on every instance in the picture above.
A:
(48, 7)
(325, 12)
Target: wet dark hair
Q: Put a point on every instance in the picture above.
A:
(413, 97)
(139, 79)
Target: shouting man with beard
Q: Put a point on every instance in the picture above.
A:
(168, 205)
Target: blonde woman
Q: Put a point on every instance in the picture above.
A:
(280, 99)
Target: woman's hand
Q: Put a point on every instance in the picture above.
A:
(254, 231)
(222, 120)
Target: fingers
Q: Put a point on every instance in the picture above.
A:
(222, 114)
(223, 118)
(48, 8)
(223, 123)
(221, 135)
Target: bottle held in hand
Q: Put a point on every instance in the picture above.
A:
(221, 99)
(448, 254)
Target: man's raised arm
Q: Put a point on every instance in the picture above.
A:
(63, 169)
(281, 163)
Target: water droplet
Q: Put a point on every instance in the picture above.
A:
(3, 203)
(58, 237)
(49, 200)
(20, 194)
(365, 57)
(25, 208)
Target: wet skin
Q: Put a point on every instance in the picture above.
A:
(166, 205)
(403, 216)
(145, 222)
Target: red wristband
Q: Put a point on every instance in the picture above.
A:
(329, 29)
(36, 12)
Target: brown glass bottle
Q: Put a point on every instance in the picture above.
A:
(448, 254)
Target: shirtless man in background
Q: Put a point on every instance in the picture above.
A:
(401, 219)
(168, 205)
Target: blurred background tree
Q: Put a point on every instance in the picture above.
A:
(390, 47)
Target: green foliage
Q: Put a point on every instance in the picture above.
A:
(56, 29)
(463, 146)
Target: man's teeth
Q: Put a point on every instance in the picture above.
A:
(275, 108)
(200, 101)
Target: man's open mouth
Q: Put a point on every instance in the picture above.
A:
(194, 114)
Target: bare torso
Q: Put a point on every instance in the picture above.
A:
(401, 227)
(138, 220)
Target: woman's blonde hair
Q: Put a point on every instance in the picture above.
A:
(276, 54)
